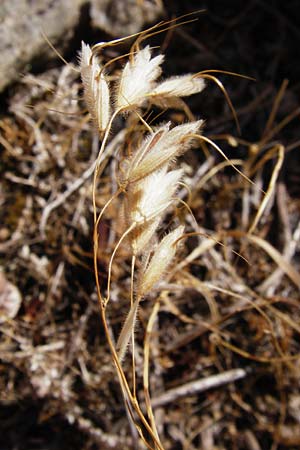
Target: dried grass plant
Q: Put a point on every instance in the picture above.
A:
(146, 181)
(148, 184)
(187, 281)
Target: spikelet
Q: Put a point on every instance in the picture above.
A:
(146, 146)
(159, 262)
(178, 86)
(151, 196)
(126, 332)
(138, 79)
(148, 278)
(142, 236)
(96, 89)
(162, 147)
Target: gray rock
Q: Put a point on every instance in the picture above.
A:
(124, 17)
(21, 25)
(23, 21)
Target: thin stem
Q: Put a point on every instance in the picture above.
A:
(150, 324)
(218, 83)
(106, 206)
(124, 384)
(132, 226)
(122, 377)
(132, 332)
(209, 141)
(270, 189)
(102, 148)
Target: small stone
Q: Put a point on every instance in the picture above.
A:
(4, 234)
(10, 299)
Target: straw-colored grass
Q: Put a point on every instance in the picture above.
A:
(198, 296)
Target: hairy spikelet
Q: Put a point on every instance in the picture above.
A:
(151, 196)
(138, 79)
(179, 86)
(148, 278)
(146, 146)
(96, 89)
(126, 332)
(162, 147)
(159, 262)
(142, 236)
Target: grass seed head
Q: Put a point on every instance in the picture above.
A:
(159, 262)
(164, 146)
(179, 86)
(96, 89)
(142, 236)
(151, 196)
(138, 79)
(132, 164)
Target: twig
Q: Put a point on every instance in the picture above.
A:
(107, 441)
(195, 387)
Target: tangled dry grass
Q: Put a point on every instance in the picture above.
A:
(216, 346)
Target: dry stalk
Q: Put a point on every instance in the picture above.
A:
(146, 183)
(227, 299)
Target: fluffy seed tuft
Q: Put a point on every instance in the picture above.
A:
(96, 89)
(163, 146)
(138, 79)
(179, 86)
(151, 196)
(159, 262)
(145, 203)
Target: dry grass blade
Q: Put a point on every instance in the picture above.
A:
(214, 170)
(275, 107)
(270, 190)
(271, 133)
(285, 318)
(287, 268)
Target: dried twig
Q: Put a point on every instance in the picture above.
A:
(195, 387)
